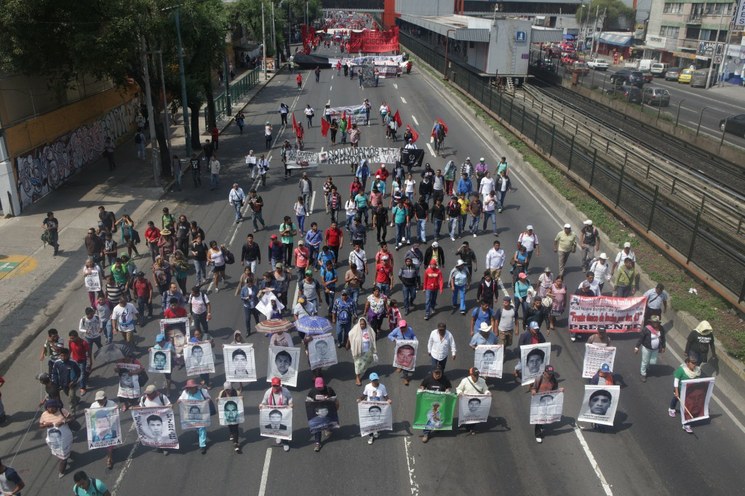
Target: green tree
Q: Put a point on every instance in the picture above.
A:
(605, 14)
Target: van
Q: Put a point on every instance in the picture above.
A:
(658, 69)
(699, 78)
(645, 64)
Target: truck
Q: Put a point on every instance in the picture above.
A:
(645, 64)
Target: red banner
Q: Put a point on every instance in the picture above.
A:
(397, 118)
(618, 315)
(414, 134)
(369, 41)
(324, 127)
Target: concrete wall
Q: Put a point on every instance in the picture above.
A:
(425, 7)
(508, 55)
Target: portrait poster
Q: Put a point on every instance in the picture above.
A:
(322, 415)
(546, 407)
(595, 357)
(199, 358)
(473, 408)
(178, 331)
(156, 426)
(103, 427)
(240, 362)
(194, 413)
(275, 421)
(375, 416)
(129, 380)
(283, 363)
(434, 410)
(59, 440)
(533, 359)
(93, 281)
(159, 361)
(618, 315)
(599, 404)
(322, 351)
(489, 359)
(264, 306)
(695, 395)
(404, 355)
(230, 410)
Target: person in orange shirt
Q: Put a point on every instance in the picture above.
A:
(432, 284)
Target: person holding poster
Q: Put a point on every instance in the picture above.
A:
(322, 422)
(161, 358)
(536, 356)
(603, 377)
(193, 391)
(128, 369)
(361, 342)
(599, 405)
(472, 385)
(59, 436)
(277, 396)
(102, 424)
(404, 356)
(374, 391)
(651, 341)
(154, 398)
(229, 414)
(484, 336)
(544, 383)
(436, 381)
(688, 370)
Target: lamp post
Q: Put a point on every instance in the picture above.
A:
(263, 40)
(151, 117)
(447, 43)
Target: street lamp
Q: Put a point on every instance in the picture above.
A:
(447, 42)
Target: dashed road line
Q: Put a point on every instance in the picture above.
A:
(413, 118)
(403, 99)
(265, 472)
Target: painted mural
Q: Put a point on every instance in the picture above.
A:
(46, 168)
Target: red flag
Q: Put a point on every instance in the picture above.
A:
(294, 123)
(414, 134)
(344, 115)
(397, 118)
(325, 127)
(444, 126)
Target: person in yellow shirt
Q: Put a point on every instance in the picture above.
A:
(564, 244)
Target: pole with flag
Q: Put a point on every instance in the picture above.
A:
(324, 127)
(414, 134)
(294, 123)
(397, 118)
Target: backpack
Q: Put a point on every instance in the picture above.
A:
(343, 316)
(229, 257)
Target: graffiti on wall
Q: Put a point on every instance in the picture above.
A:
(46, 168)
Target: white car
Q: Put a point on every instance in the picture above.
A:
(598, 64)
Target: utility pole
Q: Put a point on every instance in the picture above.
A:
(274, 42)
(263, 39)
(715, 50)
(182, 76)
(720, 75)
(155, 151)
(166, 123)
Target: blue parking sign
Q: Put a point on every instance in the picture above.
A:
(521, 36)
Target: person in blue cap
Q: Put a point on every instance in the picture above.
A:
(374, 391)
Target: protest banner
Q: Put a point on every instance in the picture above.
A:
(599, 404)
(434, 410)
(103, 427)
(230, 410)
(489, 359)
(240, 362)
(404, 355)
(156, 426)
(93, 281)
(322, 415)
(618, 315)
(264, 306)
(194, 413)
(369, 41)
(129, 380)
(275, 421)
(473, 408)
(412, 158)
(199, 358)
(375, 416)
(322, 351)
(178, 331)
(546, 407)
(368, 59)
(159, 361)
(533, 360)
(283, 363)
(695, 395)
(595, 356)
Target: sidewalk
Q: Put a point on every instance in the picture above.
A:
(34, 284)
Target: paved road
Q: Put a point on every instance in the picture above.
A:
(646, 452)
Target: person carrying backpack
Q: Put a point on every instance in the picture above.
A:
(88, 486)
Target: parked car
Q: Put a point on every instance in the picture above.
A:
(648, 77)
(631, 93)
(598, 64)
(580, 68)
(658, 69)
(672, 73)
(734, 124)
(699, 78)
(635, 78)
(656, 96)
(685, 76)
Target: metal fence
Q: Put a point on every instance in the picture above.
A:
(238, 89)
(688, 231)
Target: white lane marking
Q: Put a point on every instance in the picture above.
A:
(593, 462)
(330, 88)
(431, 150)
(265, 472)
(395, 85)
(127, 463)
(410, 461)
(403, 99)
(312, 202)
(413, 118)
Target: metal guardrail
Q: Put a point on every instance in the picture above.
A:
(238, 89)
(689, 232)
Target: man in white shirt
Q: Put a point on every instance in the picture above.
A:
(495, 260)
(236, 198)
(251, 163)
(529, 240)
(627, 252)
(358, 258)
(486, 186)
(440, 345)
(656, 302)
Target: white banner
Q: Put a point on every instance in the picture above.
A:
(322, 351)
(473, 408)
(156, 426)
(404, 356)
(275, 421)
(695, 395)
(240, 362)
(93, 281)
(283, 363)
(533, 359)
(595, 357)
(159, 361)
(489, 359)
(546, 407)
(375, 416)
(199, 358)
(129, 380)
(342, 156)
(194, 413)
(230, 410)
(618, 315)
(599, 404)
(103, 427)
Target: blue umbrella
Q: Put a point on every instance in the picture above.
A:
(313, 325)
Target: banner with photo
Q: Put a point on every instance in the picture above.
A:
(159, 361)
(283, 363)
(103, 427)
(546, 407)
(618, 315)
(178, 331)
(264, 306)
(194, 413)
(375, 416)
(275, 421)
(489, 359)
(533, 359)
(199, 358)
(93, 281)
(129, 380)
(368, 59)
(473, 408)
(322, 351)
(695, 395)
(595, 357)
(230, 410)
(404, 355)
(599, 404)
(240, 362)
(434, 410)
(156, 426)
(322, 415)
